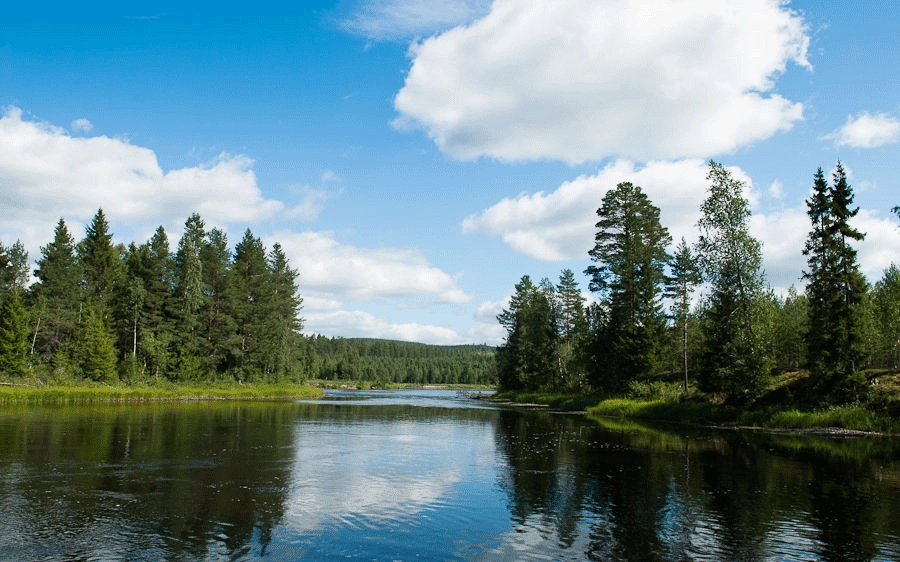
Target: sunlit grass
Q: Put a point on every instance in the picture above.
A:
(94, 393)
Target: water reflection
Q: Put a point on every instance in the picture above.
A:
(151, 482)
(614, 491)
(399, 476)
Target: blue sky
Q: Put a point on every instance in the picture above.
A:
(416, 158)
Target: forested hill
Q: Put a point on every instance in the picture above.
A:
(398, 361)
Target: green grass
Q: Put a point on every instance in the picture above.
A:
(876, 411)
(97, 393)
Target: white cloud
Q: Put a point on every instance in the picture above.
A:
(357, 323)
(82, 125)
(580, 80)
(561, 225)
(312, 203)
(337, 271)
(394, 20)
(46, 174)
(868, 131)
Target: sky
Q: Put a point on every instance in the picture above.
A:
(415, 158)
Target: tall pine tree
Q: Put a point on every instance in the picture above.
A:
(835, 287)
(630, 248)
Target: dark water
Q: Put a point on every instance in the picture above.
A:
(426, 476)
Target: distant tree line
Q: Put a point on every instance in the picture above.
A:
(645, 322)
(383, 361)
(106, 312)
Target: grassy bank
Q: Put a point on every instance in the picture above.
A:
(777, 408)
(88, 393)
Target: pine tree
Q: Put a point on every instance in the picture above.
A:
(250, 277)
(836, 287)
(526, 360)
(684, 278)
(13, 268)
(730, 260)
(58, 289)
(285, 324)
(219, 327)
(573, 330)
(630, 248)
(96, 352)
(100, 261)
(189, 293)
(13, 335)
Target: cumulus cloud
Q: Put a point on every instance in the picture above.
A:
(560, 225)
(357, 323)
(868, 131)
(82, 125)
(343, 272)
(46, 174)
(393, 20)
(580, 80)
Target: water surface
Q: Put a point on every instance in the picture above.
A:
(428, 475)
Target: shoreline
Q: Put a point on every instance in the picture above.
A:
(731, 420)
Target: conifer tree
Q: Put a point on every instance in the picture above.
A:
(189, 293)
(526, 360)
(573, 330)
(219, 327)
(250, 277)
(95, 349)
(13, 335)
(730, 260)
(836, 287)
(100, 261)
(13, 268)
(284, 323)
(58, 289)
(684, 278)
(630, 248)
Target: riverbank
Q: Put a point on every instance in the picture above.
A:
(87, 393)
(867, 415)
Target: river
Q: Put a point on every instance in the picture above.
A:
(428, 475)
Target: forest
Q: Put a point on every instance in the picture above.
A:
(103, 312)
(704, 318)
(108, 312)
(390, 361)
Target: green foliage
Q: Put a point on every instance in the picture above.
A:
(13, 336)
(836, 288)
(527, 359)
(885, 299)
(57, 293)
(630, 250)
(389, 361)
(95, 349)
(730, 259)
(680, 285)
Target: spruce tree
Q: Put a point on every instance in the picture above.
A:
(58, 288)
(630, 248)
(684, 278)
(220, 340)
(526, 360)
(13, 335)
(189, 290)
(100, 261)
(573, 330)
(730, 260)
(835, 287)
(95, 349)
(284, 322)
(252, 295)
